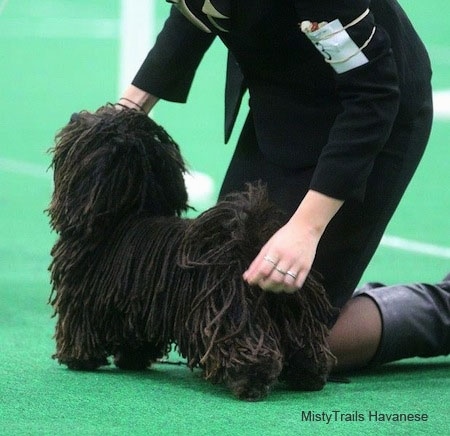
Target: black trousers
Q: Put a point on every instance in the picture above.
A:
(354, 234)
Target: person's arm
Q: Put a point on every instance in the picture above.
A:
(367, 86)
(368, 90)
(169, 69)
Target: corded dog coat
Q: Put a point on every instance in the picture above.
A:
(131, 276)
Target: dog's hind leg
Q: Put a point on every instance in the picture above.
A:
(78, 351)
(80, 343)
(90, 364)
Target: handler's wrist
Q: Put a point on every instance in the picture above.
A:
(124, 101)
(315, 212)
(308, 227)
(137, 98)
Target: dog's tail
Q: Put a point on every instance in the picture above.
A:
(110, 164)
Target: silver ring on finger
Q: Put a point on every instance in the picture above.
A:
(291, 274)
(281, 271)
(270, 260)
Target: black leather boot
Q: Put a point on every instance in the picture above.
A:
(416, 319)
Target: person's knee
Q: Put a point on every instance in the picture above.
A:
(355, 337)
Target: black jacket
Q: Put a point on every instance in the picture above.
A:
(305, 113)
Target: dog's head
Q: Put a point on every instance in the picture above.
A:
(110, 164)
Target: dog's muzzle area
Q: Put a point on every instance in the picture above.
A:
(253, 382)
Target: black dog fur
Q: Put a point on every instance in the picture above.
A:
(131, 276)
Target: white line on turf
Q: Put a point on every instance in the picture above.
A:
(415, 246)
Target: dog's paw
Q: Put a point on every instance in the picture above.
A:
(137, 358)
(131, 363)
(303, 373)
(85, 365)
(304, 380)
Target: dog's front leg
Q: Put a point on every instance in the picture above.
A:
(77, 349)
(307, 369)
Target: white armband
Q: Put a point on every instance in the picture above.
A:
(336, 45)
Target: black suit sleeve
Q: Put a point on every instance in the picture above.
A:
(169, 68)
(369, 96)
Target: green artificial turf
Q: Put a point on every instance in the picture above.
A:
(57, 60)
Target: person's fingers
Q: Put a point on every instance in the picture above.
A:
(260, 268)
(284, 279)
(276, 278)
(301, 277)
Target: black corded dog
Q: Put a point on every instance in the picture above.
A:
(131, 277)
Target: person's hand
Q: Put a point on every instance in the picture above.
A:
(285, 260)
